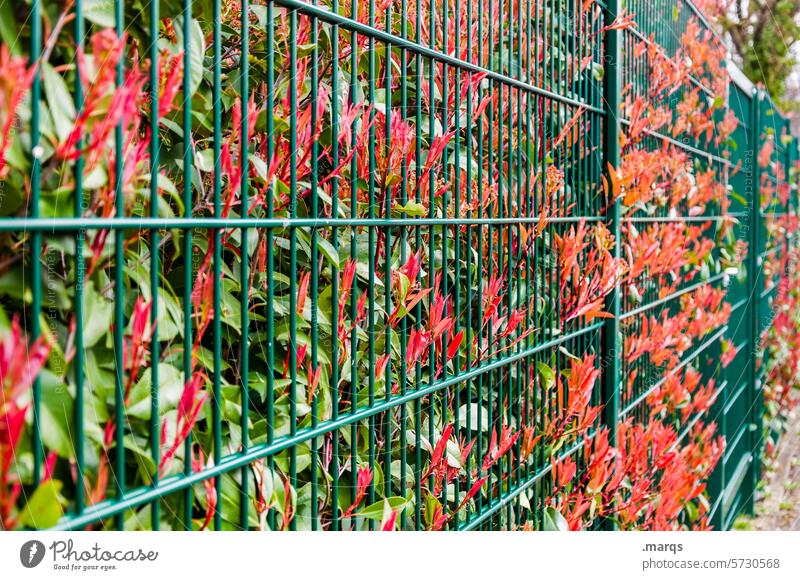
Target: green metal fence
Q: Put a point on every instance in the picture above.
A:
(768, 185)
(517, 106)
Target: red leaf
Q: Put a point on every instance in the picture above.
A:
(455, 342)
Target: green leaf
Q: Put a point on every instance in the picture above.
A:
(279, 501)
(204, 160)
(259, 165)
(598, 72)
(738, 198)
(691, 511)
(57, 415)
(553, 521)
(375, 511)
(302, 455)
(100, 380)
(411, 209)
(100, 12)
(59, 101)
(206, 358)
(328, 251)
(95, 178)
(170, 316)
(8, 27)
(547, 374)
(478, 417)
(97, 315)
(170, 389)
(260, 14)
(197, 50)
(172, 126)
(44, 508)
(11, 201)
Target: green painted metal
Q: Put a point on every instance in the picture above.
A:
(540, 96)
(755, 291)
(612, 85)
(188, 249)
(119, 302)
(78, 173)
(36, 240)
(155, 250)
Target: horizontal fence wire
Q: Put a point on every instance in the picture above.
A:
(332, 255)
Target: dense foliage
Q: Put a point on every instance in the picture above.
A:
(764, 34)
(409, 330)
(780, 355)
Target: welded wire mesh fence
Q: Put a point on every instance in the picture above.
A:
(390, 246)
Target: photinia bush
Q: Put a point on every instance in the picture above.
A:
(424, 298)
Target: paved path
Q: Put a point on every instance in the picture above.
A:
(780, 508)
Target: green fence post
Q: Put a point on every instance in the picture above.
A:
(610, 361)
(793, 198)
(787, 208)
(793, 201)
(753, 276)
(501, 159)
(36, 238)
(790, 178)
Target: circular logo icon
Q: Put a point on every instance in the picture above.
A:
(31, 553)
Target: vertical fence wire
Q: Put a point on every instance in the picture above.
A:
(443, 165)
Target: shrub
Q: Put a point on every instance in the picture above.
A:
(408, 330)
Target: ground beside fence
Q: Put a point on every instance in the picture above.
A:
(460, 265)
(780, 507)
